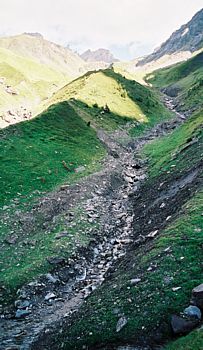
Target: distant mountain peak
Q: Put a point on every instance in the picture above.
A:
(189, 37)
(36, 35)
(99, 55)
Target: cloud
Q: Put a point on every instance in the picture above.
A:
(133, 25)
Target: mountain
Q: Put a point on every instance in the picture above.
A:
(100, 55)
(24, 84)
(34, 46)
(189, 38)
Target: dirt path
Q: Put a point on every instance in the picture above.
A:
(109, 197)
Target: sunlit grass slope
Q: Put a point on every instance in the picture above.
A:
(126, 99)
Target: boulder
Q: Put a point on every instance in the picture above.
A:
(22, 304)
(56, 260)
(134, 281)
(49, 296)
(197, 296)
(182, 325)
(22, 313)
(80, 169)
(121, 323)
(193, 311)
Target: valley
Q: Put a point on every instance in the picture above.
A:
(101, 198)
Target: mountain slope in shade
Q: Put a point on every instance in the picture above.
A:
(188, 38)
(34, 46)
(100, 55)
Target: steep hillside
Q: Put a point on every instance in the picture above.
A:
(61, 146)
(163, 263)
(34, 46)
(188, 38)
(100, 55)
(54, 144)
(24, 83)
(43, 153)
(101, 221)
(115, 100)
(183, 81)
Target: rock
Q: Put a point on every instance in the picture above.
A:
(11, 239)
(197, 296)
(5, 207)
(80, 169)
(152, 234)
(50, 296)
(82, 276)
(121, 323)
(22, 313)
(134, 281)
(61, 235)
(193, 311)
(64, 187)
(182, 325)
(128, 179)
(167, 279)
(175, 289)
(51, 278)
(22, 304)
(57, 260)
(130, 174)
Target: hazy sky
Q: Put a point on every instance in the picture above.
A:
(130, 28)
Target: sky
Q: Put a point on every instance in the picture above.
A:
(129, 28)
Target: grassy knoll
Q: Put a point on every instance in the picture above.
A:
(127, 100)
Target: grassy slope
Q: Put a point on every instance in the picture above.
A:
(34, 151)
(33, 81)
(127, 100)
(193, 341)
(32, 155)
(151, 302)
(186, 79)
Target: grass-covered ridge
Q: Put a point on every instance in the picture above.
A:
(126, 99)
(35, 152)
(183, 81)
